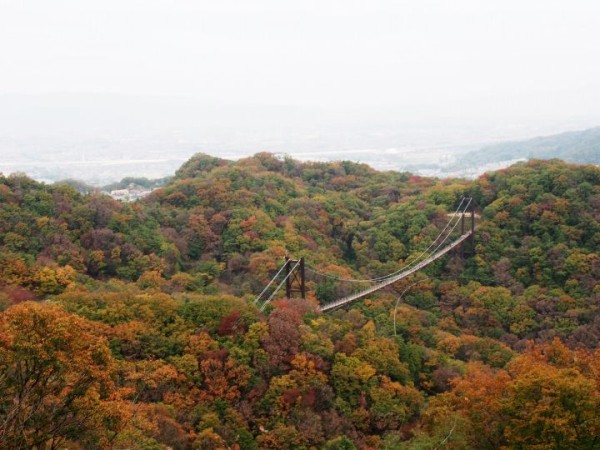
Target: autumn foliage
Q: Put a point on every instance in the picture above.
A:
(134, 325)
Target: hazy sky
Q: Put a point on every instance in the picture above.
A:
(434, 57)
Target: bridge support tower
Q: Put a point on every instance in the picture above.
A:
(295, 281)
(471, 210)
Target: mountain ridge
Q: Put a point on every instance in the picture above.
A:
(573, 146)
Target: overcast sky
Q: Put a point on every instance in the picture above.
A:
(434, 57)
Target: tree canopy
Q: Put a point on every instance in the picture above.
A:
(133, 325)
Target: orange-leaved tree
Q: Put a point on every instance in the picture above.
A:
(55, 379)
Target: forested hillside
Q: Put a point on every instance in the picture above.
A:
(132, 325)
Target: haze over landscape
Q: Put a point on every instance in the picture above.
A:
(105, 90)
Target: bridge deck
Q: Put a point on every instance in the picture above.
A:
(358, 295)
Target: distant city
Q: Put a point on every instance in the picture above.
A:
(105, 161)
(102, 139)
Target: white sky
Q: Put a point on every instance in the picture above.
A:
(465, 56)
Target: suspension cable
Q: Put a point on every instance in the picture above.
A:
(280, 284)
(426, 251)
(446, 238)
(270, 283)
(432, 243)
(412, 263)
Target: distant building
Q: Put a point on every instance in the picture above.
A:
(130, 194)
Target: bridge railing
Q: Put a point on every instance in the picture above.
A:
(358, 295)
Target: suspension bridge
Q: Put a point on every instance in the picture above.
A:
(293, 272)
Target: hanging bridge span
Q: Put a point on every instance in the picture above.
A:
(293, 270)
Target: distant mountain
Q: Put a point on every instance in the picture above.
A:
(573, 146)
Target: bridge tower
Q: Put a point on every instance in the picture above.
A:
(471, 210)
(295, 282)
